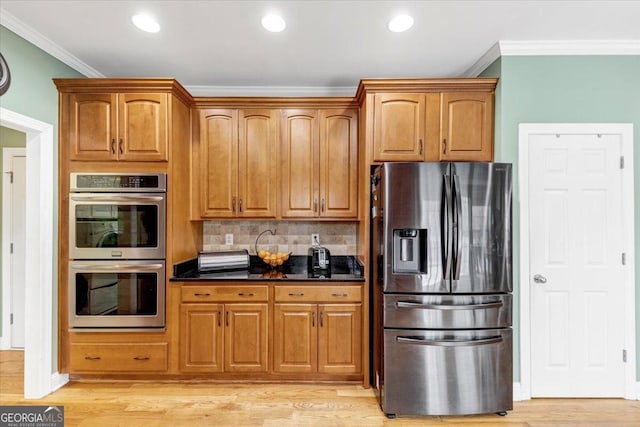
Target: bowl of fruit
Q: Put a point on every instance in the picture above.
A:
(273, 260)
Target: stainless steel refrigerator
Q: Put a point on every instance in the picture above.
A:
(442, 283)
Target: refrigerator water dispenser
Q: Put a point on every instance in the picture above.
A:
(410, 250)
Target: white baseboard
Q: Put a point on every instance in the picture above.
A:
(58, 380)
(517, 392)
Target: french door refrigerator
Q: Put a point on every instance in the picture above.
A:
(442, 283)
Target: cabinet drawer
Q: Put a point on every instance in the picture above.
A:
(318, 293)
(224, 293)
(119, 357)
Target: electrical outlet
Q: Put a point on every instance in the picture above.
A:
(315, 239)
(228, 239)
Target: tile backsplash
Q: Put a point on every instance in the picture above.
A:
(290, 236)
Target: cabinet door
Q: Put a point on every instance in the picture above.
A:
(201, 337)
(300, 163)
(295, 338)
(92, 126)
(257, 163)
(467, 126)
(246, 338)
(219, 161)
(142, 126)
(398, 127)
(339, 163)
(340, 338)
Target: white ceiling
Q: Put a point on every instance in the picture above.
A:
(328, 46)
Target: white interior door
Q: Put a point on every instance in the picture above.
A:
(575, 238)
(18, 216)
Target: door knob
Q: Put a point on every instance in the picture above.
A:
(539, 278)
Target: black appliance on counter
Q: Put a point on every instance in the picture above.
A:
(442, 281)
(319, 260)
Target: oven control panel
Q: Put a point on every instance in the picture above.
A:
(109, 182)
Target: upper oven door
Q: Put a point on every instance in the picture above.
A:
(117, 226)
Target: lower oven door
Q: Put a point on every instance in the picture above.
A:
(447, 372)
(116, 294)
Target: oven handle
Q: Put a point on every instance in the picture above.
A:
(409, 304)
(449, 343)
(120, 268)
(118, 198)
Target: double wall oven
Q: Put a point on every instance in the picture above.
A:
(117, 250)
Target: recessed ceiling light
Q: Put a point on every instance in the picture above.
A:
(400, 23)
(273, 23)
(145, 23)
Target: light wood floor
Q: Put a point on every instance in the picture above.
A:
(96, 404)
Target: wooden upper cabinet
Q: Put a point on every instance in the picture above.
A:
(142, 126)
(399, 127)
(257, 163)
(300, 164)
(238, 163)
(92, 126)
(467, 126)
(219, 162)
(339, 163)
(319, 159)
(112, 126)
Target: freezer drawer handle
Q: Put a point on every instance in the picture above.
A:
(409, 304)
(449, 343)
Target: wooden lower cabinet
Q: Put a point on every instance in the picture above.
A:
(224, 337)
(118, 357)
(323, 338)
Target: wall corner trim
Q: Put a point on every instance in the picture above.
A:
(552, 47)
(34, 37)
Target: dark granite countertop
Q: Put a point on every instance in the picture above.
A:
(343, 269)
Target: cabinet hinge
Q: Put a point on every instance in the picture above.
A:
(621, 162)
(624, 356)
(624, 258)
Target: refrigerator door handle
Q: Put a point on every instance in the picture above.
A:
(485, 306)
(449, 343)
(458, 227)
(446, 228)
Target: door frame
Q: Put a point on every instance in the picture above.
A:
(625, 130)
(40, 376)
(7, 154)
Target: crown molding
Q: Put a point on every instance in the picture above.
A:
(12, 23)
(271, 91)
(552, 48)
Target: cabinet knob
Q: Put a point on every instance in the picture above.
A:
(113, 146)
(92, 358)
(240, 204)
(444, 143)
(421, 146)
(315, 205)
(141, 358)
(199, 294)
(342, 294)
(322, 205)
(120, 147)
(245, 294)
(296, 294)
(313, 319)
(233, 204)
(321, 319)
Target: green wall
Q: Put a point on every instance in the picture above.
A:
(565, 89)
(33, 94)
